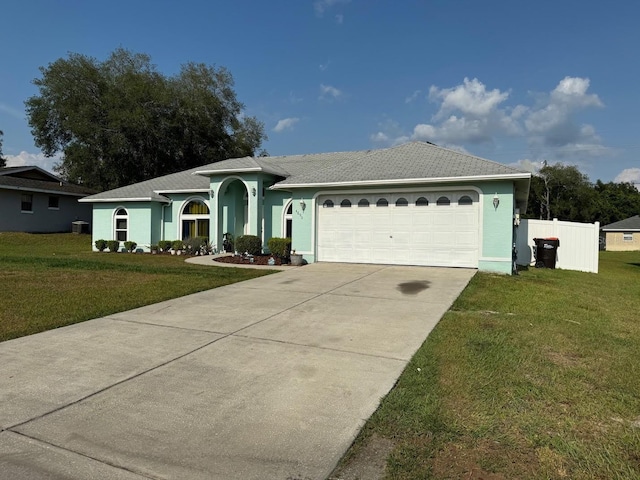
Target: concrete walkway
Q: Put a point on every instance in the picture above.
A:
(266, 379)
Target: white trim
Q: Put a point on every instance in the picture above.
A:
(42, 190)
(227, 171)
(114, 223)
(403, 181)
(631, 230)
(186, 190)
(196, 217)
(133, 199)
(27, 211)
(283, 226)
(314, 206)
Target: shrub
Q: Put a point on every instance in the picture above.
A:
(130, 246)
(195, 245)
(101, 245)
(250, 244)
(279, 246)
(113, 245)
(177, 245)
(164, 245)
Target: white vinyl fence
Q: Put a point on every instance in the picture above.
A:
(579, 243)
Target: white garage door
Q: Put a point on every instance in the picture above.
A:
(430, 228)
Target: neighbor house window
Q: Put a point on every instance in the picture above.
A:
(195, 220)
(27, 202)
(627, 237)
(121, 221)
(54, 203)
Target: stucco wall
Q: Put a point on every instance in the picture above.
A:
(496, 227)
(616, 242)
(42, 218)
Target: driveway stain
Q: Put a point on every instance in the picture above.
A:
(414, 287)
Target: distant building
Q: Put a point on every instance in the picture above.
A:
(34, 200)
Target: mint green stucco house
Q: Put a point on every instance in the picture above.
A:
(413, 204)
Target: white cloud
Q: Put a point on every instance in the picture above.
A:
(470, 98)
(29, 159)
(379, 137)
(285, 124)
(320, 6)
(324, 66)
(527, 165)
(629, 175)
(329, 92)
(411, 98)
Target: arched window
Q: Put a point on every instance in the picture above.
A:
(382, 202)
(346, 203)
(443, 201)
(402, 202)
(288, 221)
(327, 204)
(363, 202)
(195, 219)
(465, 200)
(121, 224)
(422, 202)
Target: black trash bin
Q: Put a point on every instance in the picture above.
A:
(546, 252)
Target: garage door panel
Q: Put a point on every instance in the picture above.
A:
(404, 235)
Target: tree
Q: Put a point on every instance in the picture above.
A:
(3, 161)
(617, 201)
(120, 121)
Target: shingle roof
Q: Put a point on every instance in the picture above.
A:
(628, 224)
(411, 161)
(29, 184)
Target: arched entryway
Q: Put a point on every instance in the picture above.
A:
(233, 209)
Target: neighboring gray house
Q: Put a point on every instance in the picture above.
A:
(34, 200)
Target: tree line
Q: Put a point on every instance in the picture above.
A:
(563, 192)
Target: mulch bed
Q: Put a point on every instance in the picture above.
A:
(240, 260)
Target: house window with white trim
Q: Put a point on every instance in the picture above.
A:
(26, 204)
(121, 223)
(627, 237)
(288, 221)
(195, 219)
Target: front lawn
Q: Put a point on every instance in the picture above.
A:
(52, 280)
(531, 377)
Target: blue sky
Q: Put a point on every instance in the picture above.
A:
(515, 82)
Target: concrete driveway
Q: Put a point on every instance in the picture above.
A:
(271, 378)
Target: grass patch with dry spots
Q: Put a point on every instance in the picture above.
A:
(54, 280)
(533, 376)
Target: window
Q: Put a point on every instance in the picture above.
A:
(195, 220)
(382, 202)
(327, 204)
(465, 200)
(443, 201)
(627, 237)
(54, 203)
(346, 203)
(402, 202)
(422, 202)
(288, 221)
(363, 202)
(27, 202)
(121, 223)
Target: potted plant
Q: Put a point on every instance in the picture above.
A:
(296, 258)
(177, 246)
(154, 249)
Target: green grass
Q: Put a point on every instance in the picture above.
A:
(53, 280)
(534, 376)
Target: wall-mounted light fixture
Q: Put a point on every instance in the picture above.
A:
(253, 191)
(302, 204)
(496, 201)
(212, 193)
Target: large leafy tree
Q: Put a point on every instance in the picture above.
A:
(563, 192)
(3, 161)
(120, 121)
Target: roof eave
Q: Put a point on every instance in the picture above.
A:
(43, 190)
(400, 181)
(207, 173)
(124, 199)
